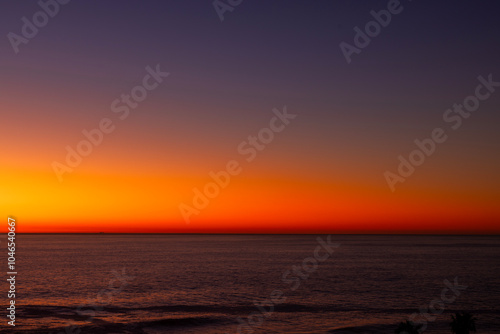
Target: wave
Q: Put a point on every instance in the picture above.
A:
(34, 311)
(99, 326)
(180, 317)
(365, 329)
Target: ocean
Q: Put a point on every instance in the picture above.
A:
(338, 284)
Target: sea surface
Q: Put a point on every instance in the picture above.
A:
(112, 283)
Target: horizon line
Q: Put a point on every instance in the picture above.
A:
(231, 233)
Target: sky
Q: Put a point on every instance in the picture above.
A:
(307, 120)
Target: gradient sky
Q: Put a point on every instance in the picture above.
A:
(323, 173)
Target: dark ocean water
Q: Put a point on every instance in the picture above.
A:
(210, 284)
